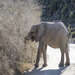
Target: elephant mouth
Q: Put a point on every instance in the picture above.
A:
(32, 38)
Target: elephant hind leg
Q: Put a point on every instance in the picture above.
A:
(61, 64)
(64, 50)
(67, 55)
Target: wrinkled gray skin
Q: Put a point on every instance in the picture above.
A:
(53, 34)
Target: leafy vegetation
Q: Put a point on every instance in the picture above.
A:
(63, 10)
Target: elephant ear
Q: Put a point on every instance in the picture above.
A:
(37, 28)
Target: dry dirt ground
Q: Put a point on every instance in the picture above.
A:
(53, 56)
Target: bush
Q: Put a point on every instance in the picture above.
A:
(16, 19)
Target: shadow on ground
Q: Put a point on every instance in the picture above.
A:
(46, 72)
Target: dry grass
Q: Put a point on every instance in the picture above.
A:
(23, 66)
(16, 19)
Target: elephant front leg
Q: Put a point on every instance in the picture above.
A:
(45, 55)
(38, 59)
(40, 50)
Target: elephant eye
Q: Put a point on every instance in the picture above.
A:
(32, 32)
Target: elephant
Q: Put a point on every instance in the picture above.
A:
(54, 34)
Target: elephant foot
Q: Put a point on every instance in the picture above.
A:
(44, 65)
(36, 65)
(61, 65)
(67, 64)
